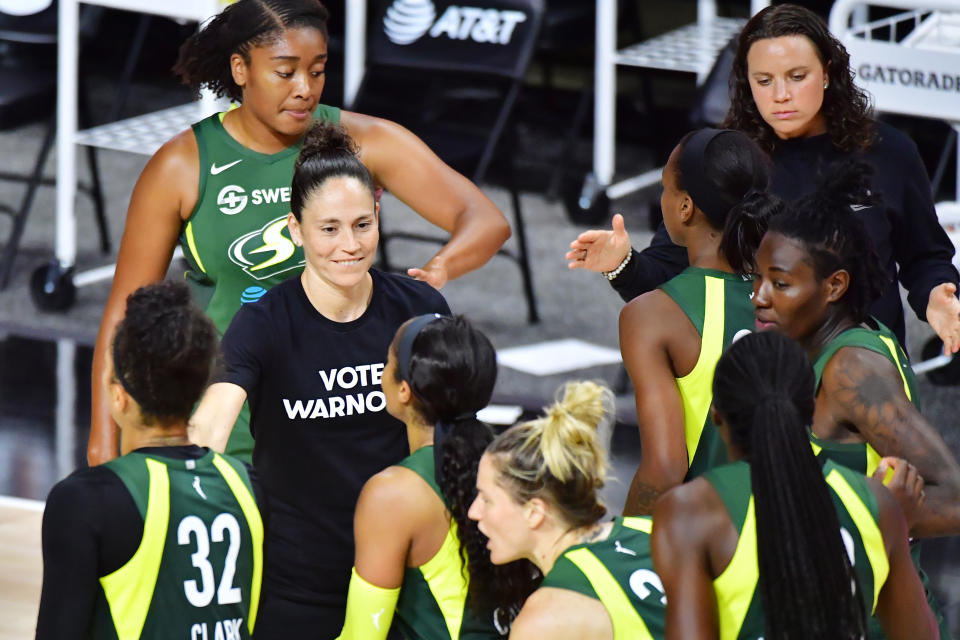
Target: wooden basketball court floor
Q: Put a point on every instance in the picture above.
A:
(21, 567)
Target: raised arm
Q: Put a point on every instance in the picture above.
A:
(212, 422)
(387, 515)
(644, 324)
(163, 197)
(400, 162)
(863, 389)
(902, 606)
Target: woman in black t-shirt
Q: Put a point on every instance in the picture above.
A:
(793, 93)
(309, 356)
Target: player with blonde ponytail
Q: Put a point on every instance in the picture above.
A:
(538, 499)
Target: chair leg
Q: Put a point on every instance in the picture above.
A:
(20, 219)
(566, 151)
(523, 259)
(96, 190)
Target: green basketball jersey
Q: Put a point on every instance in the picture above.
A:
(197, 571)
(433, 596)
(718, 304)
(860, 456)
(739, 605)
(236, 240)
(617, 571)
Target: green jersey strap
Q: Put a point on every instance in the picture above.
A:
(718, 305)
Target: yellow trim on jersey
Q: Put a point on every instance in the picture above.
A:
(640, 523)
(254, 522)
(735, 586)
(192, 245)
(627, 623)
(892, 348)
(447, 582)
(368, 602)
(129, 589)
(869, 531)
(696, 388)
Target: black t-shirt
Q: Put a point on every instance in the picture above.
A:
(91, 528)
(905, 230)
(319, 420)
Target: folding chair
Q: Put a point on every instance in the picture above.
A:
(33, 23)
(464, 57)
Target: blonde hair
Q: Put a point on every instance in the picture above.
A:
(559, 457)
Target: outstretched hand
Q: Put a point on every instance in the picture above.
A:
(943, 314)
(599, 249)
(905, 483)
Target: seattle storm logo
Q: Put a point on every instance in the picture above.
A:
(265, 252)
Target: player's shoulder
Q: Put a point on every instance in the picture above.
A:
(402, 289)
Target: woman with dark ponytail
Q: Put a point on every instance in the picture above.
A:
(538, 499)
(309, 356)
(817, 277)
(417, 552)
(714, 204)
(221, 189)
(773, 545)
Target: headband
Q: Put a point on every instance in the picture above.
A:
(404, 352)
(405, 347)
(695, 180)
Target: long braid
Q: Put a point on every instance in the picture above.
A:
(763, 388)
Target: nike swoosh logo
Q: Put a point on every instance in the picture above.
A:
(214, 169)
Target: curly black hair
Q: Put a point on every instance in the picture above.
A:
(835, 237)
(163, 351)
(846, 108)
(204, 59)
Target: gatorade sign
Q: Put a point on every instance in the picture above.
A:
(481, 35)
(406, 21)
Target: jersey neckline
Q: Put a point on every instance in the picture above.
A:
(232, 142)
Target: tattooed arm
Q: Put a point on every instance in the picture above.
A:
(864, 391)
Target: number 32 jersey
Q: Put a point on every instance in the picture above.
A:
(196, 573)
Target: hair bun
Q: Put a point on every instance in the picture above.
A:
(325, 136)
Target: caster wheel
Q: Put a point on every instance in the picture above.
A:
(588, 206)
(52, 288)
(947, 375)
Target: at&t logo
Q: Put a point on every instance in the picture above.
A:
(406, 21)
(231, 199)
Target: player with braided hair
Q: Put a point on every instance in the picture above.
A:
(817, 278)
(775, 545)
(431, 563)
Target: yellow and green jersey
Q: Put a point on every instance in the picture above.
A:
(617, 571)
(236, 241)
(740, 610)
(197, 570)
(860, 456)
(433, 597)
(718, 304)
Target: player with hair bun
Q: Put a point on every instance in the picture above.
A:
(309, 357)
